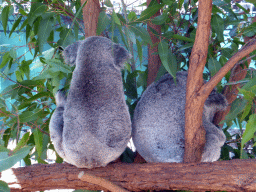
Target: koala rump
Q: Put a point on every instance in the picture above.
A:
(159, 121)
(91, 126)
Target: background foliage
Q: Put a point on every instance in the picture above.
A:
(27, 103)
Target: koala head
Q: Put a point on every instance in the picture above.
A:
(70, 53)
(97, 50)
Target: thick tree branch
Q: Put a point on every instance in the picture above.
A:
(194, 131)
(91, 13)
(234, 175)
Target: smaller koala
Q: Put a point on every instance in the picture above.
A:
(91, 126)
(159, 122)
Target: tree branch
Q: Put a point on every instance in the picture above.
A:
(245, 51)
(194, 131)
(154, 61)
(234, 175)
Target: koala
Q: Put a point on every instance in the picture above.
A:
(159, 122)
(91, 126)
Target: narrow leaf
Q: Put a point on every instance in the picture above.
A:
(15, 25)
(167, 58)
(103, 22)
(5, 15)
(7, 161)
(44, 31)
(250, 129)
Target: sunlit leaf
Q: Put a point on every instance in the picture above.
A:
(7, 161)
(167, 58)
(250, 129)
(5, 16)
(4, 187)
(44, 31)
(214, 66)
(103, 22)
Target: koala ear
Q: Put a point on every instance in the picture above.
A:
(70, 53)
(120, 55)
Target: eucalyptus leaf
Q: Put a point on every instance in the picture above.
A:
(7, 160)
(214, 66)
(217, 24)
(167, 58)
(5, 16)
(44, 31)
(4, 187)
(250, 129)
(103, 22)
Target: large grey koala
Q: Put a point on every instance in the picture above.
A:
(159, 122)
(92, 126)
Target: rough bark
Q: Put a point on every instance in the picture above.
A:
(198, 93)
(91, 13)
(194, 131)
(234, 175)
(154, 61)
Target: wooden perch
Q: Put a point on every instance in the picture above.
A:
(234, 175)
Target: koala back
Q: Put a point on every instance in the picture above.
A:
(97, 125)
(159, 121)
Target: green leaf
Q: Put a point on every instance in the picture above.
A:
(132, 16)
(130, 35)
(115, 18)
(57, 65)
(15, 25)
(139, 50)
(7, 161)
(5, 16)
(103, 22)
(4, 187)
(37, 9)
(108, 3)
(19, 76)
(246, 111)
(28, 116)
(217, 24)
(250, 129)
(183, 38)
(214, 66)
(150, 11)
(142, 32)
(44, 31)
(250, 84)
(5, 59)
(66, 38)
(167, 58)
(38, 137)
(236, 108)
(161, 19)
(22, 142)
(248, 95)
(241, 7)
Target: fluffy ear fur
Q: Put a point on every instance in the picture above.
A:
(159, 121)
(92, 126)
(120, 55)
(70, 53)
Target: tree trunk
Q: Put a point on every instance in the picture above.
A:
(154, 61)
(234, 175)
(91, 13)
(194, 131)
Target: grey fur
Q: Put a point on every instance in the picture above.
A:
(159, 121)
(93, 127)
